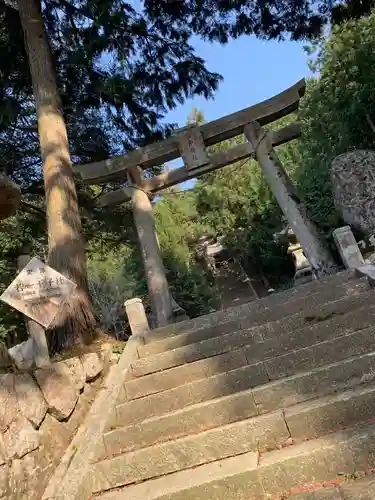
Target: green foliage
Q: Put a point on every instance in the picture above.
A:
(120, 71)
(179, 228)
(337, 113)
(300, 19)
(237, 204)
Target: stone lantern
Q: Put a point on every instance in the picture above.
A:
(302, 268)
(10, 196)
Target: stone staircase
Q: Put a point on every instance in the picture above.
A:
(271, 400)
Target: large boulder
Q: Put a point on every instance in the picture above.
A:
(353, 185)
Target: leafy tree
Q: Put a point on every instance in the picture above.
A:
(300, 19)
(179, 227)
(110, 65)
(337, 114)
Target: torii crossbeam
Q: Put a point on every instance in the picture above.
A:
(190, 143)
(197, 137)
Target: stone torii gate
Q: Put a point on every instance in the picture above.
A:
(190, 143)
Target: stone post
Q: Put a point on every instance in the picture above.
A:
(317, 253)
(34, 329)
(158, 289)
(136, 314)
(348, 247)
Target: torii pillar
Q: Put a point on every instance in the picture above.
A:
(158, 289)
(316, 251)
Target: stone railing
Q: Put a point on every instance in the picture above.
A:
(40, 413)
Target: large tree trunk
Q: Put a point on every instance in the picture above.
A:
(65, 242)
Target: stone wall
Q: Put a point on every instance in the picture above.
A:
(40, 413)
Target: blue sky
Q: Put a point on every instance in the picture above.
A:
(253, 70)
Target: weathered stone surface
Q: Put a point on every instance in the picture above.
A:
(4, 482)
(82, 407)
(26, 478)
(167, 458)
(234, 478)
(260, 433)
(324, 380)
(348, 172)
(17, 480)
(3, 457)
(331, 413)
(194, 352)
(191, 420)
(23, 354)
(8, 401)
(180, 375)
(75, 370)
(59, 390)
(332, 285)
(361, 489)
(348, 248)
(92, 365)
(72, 477)
(326, 352)
(195, 392)
(188, 338)
(319, 460)
(329, 493)
(30, 399)
(20, 438)
(54, 439)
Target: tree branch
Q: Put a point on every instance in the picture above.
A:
(33, 209)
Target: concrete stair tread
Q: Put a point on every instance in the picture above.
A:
(267, 395)
(352, 488)
(266, 303)
(248, 475)
(237, 416)
(274, 367)
(230, 341)
(191, 337)
(241, 349)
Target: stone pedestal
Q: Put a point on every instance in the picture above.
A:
(306, 232)
(347, 246)
(160, 298)
(137, 317)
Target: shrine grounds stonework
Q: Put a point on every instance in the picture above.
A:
(40, 413)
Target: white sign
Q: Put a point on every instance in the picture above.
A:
(192, 149)
(38, 292)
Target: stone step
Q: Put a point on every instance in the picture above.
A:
(285, 323)
(262, 434)
(238, 339)
(344, 489)
(246, 349)
(250, 476)
(253, 307)
(307, 420)
(268, 396)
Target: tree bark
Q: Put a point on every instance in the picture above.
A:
(66, 252)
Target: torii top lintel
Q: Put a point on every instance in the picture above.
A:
(190, 143)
